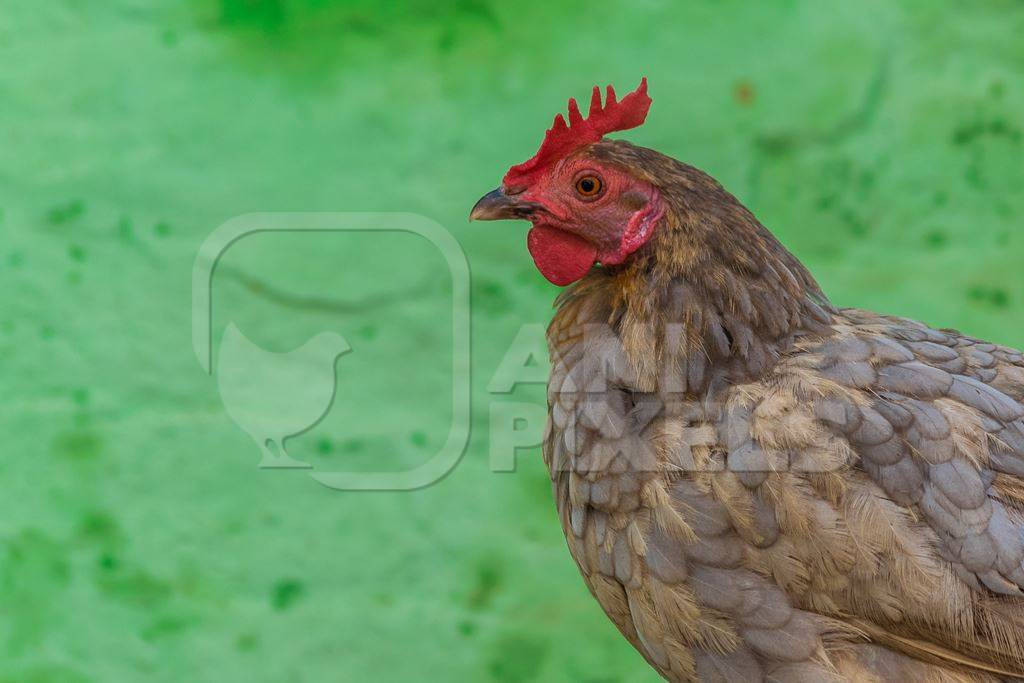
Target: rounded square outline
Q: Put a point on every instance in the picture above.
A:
(234, 229)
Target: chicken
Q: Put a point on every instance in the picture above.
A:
(274, 396)
(755, 484)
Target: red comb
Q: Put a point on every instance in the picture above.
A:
(562, 139)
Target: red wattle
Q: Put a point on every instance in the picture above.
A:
(561, 256)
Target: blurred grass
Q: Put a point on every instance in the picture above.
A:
(881, 141)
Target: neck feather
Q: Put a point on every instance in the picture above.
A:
(713, 294)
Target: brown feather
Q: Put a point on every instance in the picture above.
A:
(822, 494)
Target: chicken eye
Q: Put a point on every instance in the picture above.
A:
(588, 186)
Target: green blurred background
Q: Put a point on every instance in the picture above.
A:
(882, 141)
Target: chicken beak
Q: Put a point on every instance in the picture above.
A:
(496, 205)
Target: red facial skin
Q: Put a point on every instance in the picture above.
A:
(572, 231)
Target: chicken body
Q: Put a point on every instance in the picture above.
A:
(757, 486)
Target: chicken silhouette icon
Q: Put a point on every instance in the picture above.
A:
(274, 396)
